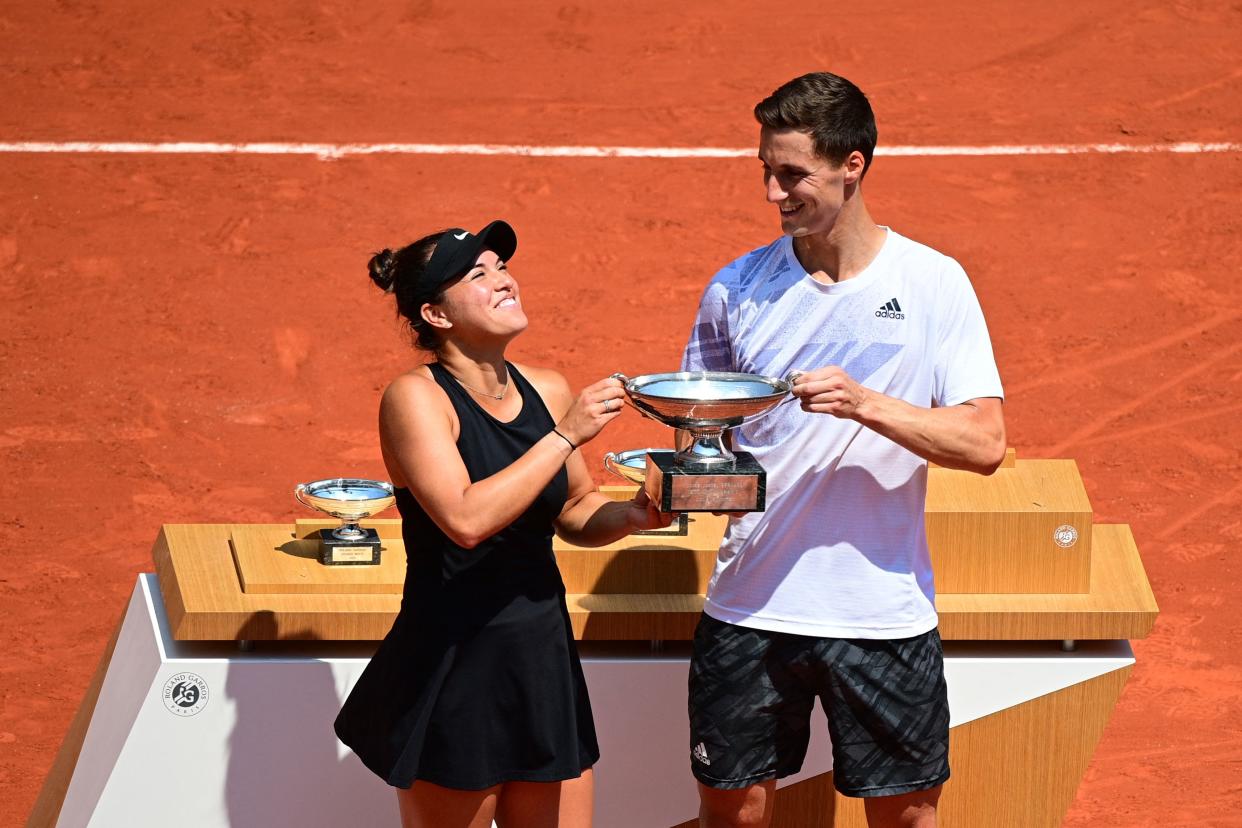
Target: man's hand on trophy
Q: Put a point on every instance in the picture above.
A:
(644, 514)
(595, 407)
(829, 391)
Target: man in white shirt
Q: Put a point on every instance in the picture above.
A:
(828, 593)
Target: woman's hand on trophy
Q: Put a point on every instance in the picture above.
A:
(595, 407)
(643, 514)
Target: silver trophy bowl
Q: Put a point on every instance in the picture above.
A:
(704, 403)
(631, 465)
(347, 498)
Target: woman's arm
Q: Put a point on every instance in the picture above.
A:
(416, 427)
(589, 517)
(594, 519)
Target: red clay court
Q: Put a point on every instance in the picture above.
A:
(187, 336)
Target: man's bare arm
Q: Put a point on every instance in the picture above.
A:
(968, 436)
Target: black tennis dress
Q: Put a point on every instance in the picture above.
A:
(478, 682)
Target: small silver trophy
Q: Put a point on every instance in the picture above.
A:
(631, 465)
(351, 500)
(705, 476)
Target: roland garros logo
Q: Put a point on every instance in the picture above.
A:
(185, 694)
(1065, 536)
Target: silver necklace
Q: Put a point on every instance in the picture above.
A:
(504, 389)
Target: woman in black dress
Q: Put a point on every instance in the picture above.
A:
(474, 706)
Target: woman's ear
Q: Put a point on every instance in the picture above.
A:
(434, 316)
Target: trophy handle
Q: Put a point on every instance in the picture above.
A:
(628, 399)
(620, 376)
(610, 463)
(298, 491)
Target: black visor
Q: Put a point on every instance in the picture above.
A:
(457, 250)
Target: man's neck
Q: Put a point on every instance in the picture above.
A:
(844, 251)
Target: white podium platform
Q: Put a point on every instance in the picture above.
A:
(196, 734)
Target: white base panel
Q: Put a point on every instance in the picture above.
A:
(260, 751)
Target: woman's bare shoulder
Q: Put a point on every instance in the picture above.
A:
(547, 381)
(414, 411)
(548, 376)
(416, 387)
(551, 385)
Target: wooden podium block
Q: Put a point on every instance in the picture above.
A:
(202, 592)
(644, 564)
(1026, 528)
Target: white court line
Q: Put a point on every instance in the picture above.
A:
(330, 151)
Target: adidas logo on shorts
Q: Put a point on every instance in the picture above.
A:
(700, 753)
(890, 310)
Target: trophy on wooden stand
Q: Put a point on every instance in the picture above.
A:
(705, 476)
(631, 465)
(351, 500)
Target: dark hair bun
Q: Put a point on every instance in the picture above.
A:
(383, 269)
(400, 273)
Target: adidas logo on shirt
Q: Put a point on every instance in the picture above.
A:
(891, 310)
(700, 753)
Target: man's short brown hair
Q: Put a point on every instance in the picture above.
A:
(832, 110)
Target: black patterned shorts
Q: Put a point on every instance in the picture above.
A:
(752, 692)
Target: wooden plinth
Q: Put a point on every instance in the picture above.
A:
(205, 601)
(1025, 528)
(1000, 571)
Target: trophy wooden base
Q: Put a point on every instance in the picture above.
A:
(361, 552)
(740, 487)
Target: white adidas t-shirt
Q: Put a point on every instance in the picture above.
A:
(841, 550)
